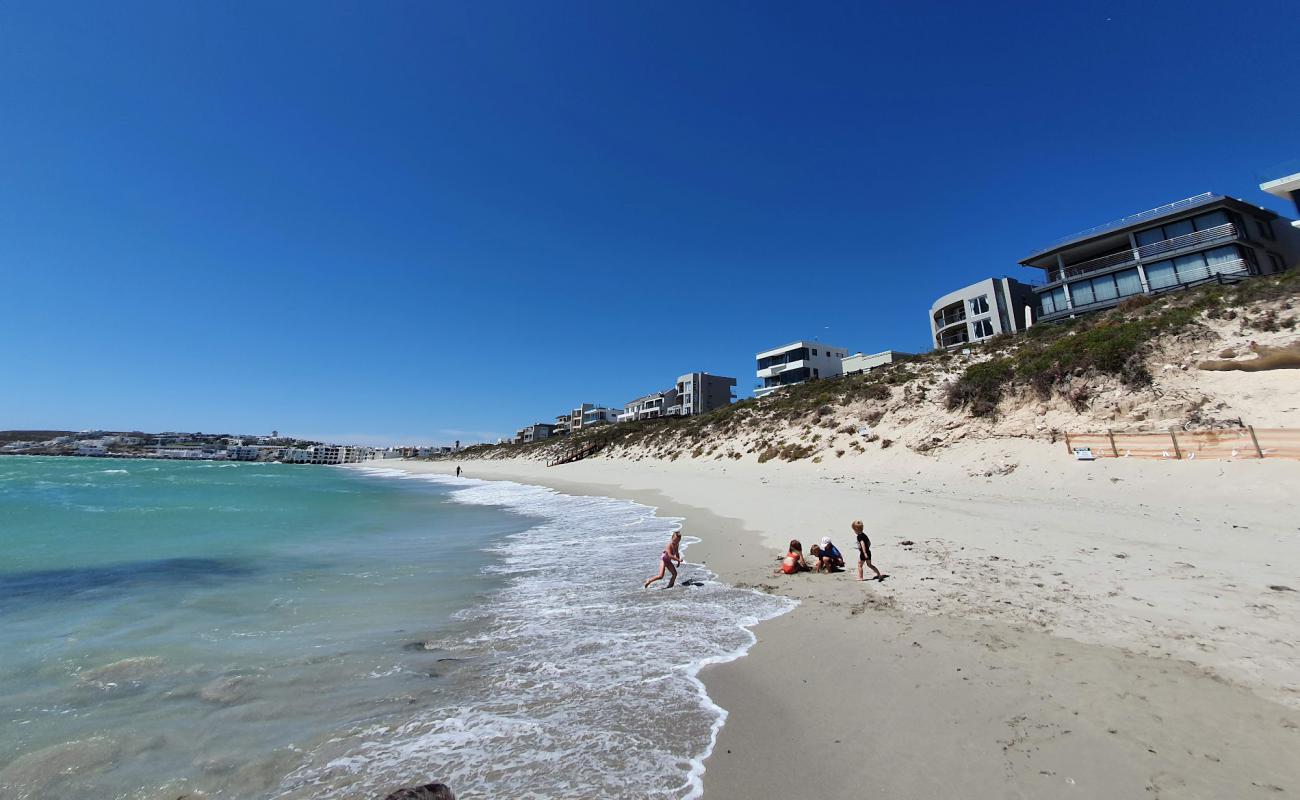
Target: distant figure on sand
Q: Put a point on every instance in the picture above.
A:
(671, 553)
(429, 791)
(793, 560)
(457, 470)
(864, 551)
(829, 557)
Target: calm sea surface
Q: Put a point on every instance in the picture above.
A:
(273, 631)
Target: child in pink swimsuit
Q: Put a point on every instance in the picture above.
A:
(671, 553)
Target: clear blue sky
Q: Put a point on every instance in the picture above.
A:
(426, 221)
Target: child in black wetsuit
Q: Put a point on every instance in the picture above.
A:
(864, 551)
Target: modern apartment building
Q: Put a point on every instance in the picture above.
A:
(650, 406)
(538, 431)
(1287, 188)
(1198, 239)
(599, 415)
(859, 363)
(534, 433)
(795, 363)
(980, 311)
(700, 392)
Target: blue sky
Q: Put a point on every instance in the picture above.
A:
(425, 221)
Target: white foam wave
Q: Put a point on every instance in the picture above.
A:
(578, 683)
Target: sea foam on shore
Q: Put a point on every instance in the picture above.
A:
(575, 682)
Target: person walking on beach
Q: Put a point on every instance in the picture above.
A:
(864, 551)
(671, 553)
(458, 470)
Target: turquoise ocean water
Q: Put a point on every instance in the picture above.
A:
(274, 631)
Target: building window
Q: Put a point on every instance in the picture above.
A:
(1053, 301)
(1181, 227)
(1195, 267)
(1211, 220)
(1265, 230)
(814, 352)
(979, 305)
(1106, 287)
(1275, 261)
(983, 328)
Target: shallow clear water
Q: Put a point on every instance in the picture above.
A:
(252, 630)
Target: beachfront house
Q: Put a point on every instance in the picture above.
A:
(537, 432)
(980, 311)
(700, 392)
(650, 406)
(576, 415)
(795, 363)
(859, 363)
(1287, 188)
(599, 415)
(1208, 237)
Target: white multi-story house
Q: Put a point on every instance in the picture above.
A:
(981, 311)
(243, 452)
(92, 447)
(700, 392)
(795, 363)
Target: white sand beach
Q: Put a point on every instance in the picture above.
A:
(1118, 628)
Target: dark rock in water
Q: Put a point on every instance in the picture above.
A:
(429, 791)
(416, 646)
(227, 691)
(1277, 587)
(451, 659)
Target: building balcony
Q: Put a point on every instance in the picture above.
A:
(1168, 247)
(777, 369)
(943, 321)
(1227, 272)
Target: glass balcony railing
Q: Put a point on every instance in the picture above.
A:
(1213, 235)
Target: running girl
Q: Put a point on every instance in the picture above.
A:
(671, 553)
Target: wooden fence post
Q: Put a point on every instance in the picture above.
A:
(1067, 443)
(1113, 448)
(1255, 439)
(1178, 453)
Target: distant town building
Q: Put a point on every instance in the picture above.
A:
(243, 452)
(980, 311)
(327, 454)
(1208, 237)
(795, 363)
(858, 363)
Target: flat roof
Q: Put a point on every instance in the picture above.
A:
(1146, 218)
(797, 343)
(1283, 187)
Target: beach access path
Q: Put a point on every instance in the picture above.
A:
(1049, 628)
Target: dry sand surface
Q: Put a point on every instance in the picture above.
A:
(1113, 629)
